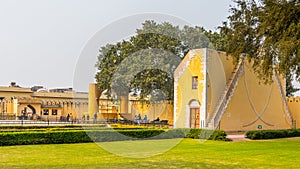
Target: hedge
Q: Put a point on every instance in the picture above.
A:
(63, 128)
(272, 134)
(39, 127)
(77, 136)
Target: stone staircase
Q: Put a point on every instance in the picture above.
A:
(215, 118)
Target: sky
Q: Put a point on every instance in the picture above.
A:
(43, 42)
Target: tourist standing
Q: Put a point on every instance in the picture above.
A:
(95, 117)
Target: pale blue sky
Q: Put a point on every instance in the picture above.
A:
(41, 40)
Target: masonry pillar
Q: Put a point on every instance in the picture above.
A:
(15, 107)
(94, 94)
(123, 104)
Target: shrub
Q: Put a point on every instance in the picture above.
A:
(219, 135)
(39, 127)
(272, 134)
(80, 136)
(73, 136)
(207, 134)
(195, 134)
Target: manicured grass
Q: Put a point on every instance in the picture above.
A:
(189, 153)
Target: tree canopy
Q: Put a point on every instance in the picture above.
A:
(146, 62)
(268, 31)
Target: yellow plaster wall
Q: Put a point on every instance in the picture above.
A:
(14, 92)
(217, 75)
(239, 114)
(227, 62)
(163, 109)
(55, 117)
(209, 96)
(185, 93)
(294, 105)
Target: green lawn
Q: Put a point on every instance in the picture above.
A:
(280, 153)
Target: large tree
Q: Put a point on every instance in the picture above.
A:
(268, 31)
(146, 62)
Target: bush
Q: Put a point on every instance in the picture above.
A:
(172, 133)
(272, 134)
(194, 134)
(39, 127)
(207, 134)
(80, 136)
(219, 135)
(57, 137)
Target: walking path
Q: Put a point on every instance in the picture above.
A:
(240, 137)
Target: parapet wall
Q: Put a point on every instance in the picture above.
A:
(294, 105)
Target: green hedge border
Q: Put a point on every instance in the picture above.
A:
(41, 127)
(77, 136)
(272, 134)
(64, 128)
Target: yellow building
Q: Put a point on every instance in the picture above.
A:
(210, 92)
(38, 103)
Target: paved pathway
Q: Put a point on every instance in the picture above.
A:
(240, 137)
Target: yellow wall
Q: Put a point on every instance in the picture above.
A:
(163, 110)
(240, 115)
(192, 65)
(128, 107)
(294, 105)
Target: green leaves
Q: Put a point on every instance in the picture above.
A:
(268, 32)
(146, 62)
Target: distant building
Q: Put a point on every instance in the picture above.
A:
(39, 103)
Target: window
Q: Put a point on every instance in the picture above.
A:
(228, 115)
(46, 111)
(54, 112)
(195, 82)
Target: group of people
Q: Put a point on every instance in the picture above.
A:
(86, 118)
(68, 118)
(138, 119)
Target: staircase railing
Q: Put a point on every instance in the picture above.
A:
(283, 97)
(215, 118)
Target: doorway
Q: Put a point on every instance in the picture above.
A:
(194, 114)
(194, 117)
